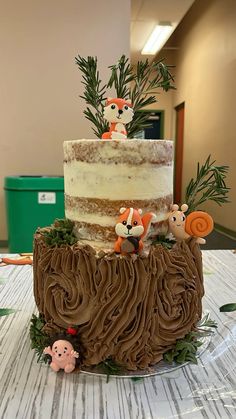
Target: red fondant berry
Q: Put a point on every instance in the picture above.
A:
(71, 331)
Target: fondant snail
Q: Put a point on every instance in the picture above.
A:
(117, 112)
(197, 224)
(63, 356)
(131, 228)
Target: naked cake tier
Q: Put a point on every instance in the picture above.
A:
(103, 176)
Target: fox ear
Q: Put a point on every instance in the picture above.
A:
(108, 100)
(129, 102)
(184, 207)
(140, 211)
(122, 210)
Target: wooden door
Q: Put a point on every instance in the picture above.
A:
(179, 147)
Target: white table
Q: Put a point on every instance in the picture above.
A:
(31, 390)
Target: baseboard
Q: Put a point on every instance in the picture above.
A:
(3, 243)
(226, 231)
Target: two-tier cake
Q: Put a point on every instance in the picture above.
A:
(107, 284)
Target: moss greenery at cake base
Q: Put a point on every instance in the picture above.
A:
(39, 339)
(110, 367)
(185, 350)
(60, 233)
(163, 241)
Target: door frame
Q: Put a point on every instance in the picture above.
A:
(178, 156)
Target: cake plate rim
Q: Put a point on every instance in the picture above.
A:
(160, 368)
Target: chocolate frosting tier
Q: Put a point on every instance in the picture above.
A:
(131, 308)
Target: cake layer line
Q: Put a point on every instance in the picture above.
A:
(111, 181)
(131, 152)
(107, 207)
(103, 220)
(92, 231)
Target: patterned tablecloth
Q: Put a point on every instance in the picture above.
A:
(206, 390)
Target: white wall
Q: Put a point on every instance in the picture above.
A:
(40, 83)
(206, 82)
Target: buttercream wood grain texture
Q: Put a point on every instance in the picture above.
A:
(132, 309)
(30, 390)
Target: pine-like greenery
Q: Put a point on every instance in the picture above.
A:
(110, 367)
(185, 350)
(39, 339)
(164, 241)
(94, 94)
(60, 233)
(137, 84)
(209, 185)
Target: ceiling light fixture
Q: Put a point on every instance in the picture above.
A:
(158, 38)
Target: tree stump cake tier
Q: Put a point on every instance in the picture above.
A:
(132, 308)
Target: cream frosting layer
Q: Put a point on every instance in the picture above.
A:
(98, 180)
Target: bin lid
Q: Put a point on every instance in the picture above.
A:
(34, 183)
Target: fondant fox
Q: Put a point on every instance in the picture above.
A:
(131, 229)
(117, 112)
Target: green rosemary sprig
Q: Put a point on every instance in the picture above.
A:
(209, 185)
(148, 78)
(61, 233)
(39, 340)
(121, 76)
(94, 93)
(185, 350)
(138, 84)
(206, 321)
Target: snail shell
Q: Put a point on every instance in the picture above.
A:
(199, 224)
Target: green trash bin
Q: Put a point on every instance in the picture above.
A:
(31, 202)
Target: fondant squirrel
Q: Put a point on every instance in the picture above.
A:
(117, 112)
(63, 356)
(131, 228)
(197, 224)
